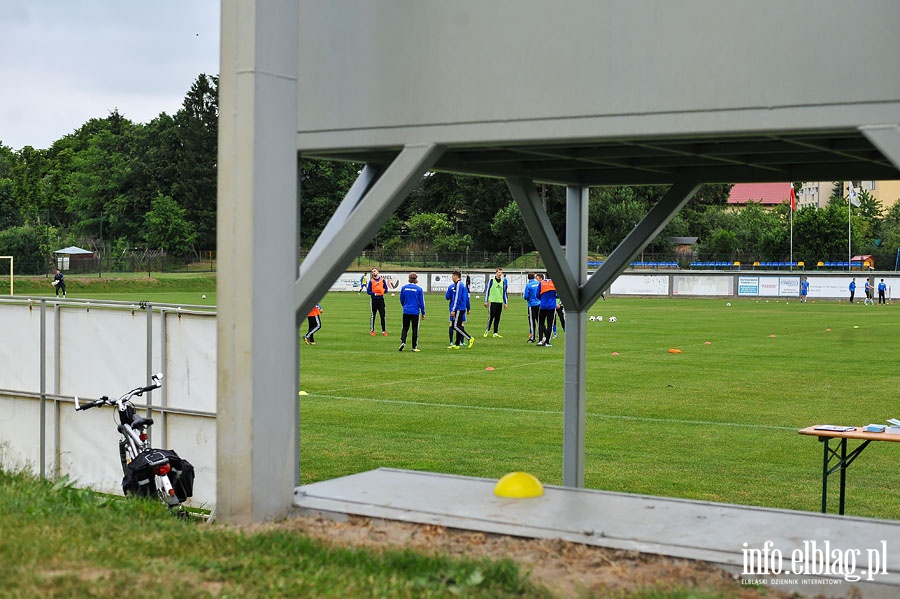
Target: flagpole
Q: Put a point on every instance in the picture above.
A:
(851, 200)
(792, 200)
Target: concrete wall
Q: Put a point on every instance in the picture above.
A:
(660, 283)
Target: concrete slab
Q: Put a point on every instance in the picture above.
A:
(812, 554)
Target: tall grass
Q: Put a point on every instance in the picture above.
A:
(59, 542)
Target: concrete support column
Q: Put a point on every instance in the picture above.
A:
(257, 438)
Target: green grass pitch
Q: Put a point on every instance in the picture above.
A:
(716, 422)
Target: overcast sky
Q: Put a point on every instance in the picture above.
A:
(64, 62)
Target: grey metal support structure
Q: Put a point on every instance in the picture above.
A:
(674, 111)
(887, 139)
(257, 438)
(579, 293)
(642, 234)
(545, 240)
(369, 203)
(575, 397)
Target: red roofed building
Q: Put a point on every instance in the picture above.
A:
(767, 194)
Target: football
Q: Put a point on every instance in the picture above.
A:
(592, 319)
(728, 304)
(599, 318)
(203, 296)
(613, 319)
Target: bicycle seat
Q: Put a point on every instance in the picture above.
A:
(140, 423)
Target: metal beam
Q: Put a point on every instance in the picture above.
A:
(364, 181)
(355, 227)
(545, 240)
(887, 139)
(575, 366)
(642, 234)
(257, 351)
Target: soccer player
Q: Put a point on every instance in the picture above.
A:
(560, 316)
(458, 295)
(314, 323)
(59, 281)
(533, 304)
(495, 296)
(376, 289)
(412, 298)
(547, 295)
(804, 289)
(868, 289)
(882, 287)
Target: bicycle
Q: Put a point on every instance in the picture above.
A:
(147, 472)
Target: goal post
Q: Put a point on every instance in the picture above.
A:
(11, 274)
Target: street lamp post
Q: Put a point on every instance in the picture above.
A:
(100, 253)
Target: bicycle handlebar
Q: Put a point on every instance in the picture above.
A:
(137, 391)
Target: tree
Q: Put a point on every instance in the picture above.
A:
(509, 228)
(720, 244)
(709, 199)
(428, 227)
(821, 234)
(763, 233)
(28, 176)
(98, 178)
(195, 157)
(323, 184)
(10, 216)
(471, 203)
(886, 244)
(25, 243)
(614, 211)
(168, 228)
(7, 161)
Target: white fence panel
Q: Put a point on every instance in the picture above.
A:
(191, 362)
(103, 352)
(20, 350)
(194, 438)
(20, 430)
(102, 349)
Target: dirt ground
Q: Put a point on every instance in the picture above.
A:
(566, 569)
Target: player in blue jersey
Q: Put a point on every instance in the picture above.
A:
(547, 295)
(458, 296)
(533, 304)
(412, 298)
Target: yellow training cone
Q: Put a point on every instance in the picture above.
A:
(518, 485)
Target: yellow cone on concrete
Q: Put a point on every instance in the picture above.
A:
(518, 485)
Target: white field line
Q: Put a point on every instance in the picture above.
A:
(550, 412)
